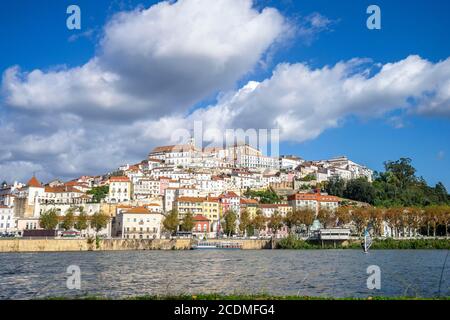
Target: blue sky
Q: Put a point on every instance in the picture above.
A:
(34, 36)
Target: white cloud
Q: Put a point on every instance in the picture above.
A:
(151, 64)
(154, 64)
(158, 60)
(303, 102)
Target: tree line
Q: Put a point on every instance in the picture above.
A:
(398, 186)
(401, 222)
(50, 220)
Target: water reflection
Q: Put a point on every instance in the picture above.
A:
(327, 273)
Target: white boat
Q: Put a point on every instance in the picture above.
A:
(205, 245)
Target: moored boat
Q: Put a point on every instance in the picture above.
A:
(202, 245)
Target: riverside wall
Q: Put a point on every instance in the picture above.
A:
(61, 245)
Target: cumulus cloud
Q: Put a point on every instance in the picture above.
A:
(303, 102)
(153, 65)
(157, 60)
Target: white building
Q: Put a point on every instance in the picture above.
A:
(313, 201)
(145, 188)
(290, 162)
(119, 189)
(7, 221)
(137, 223)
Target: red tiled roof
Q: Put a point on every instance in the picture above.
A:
(119, 179)
(139, 210)
(313, 196)
(61, 189)
(190, 199)
(34, 183)
(249, 201)
(229, 194)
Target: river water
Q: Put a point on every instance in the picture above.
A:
(325, 273)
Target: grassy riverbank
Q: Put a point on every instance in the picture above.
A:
(293, 243)
(240, 297)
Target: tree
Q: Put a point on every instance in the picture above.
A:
(414, 219)
(171, 222)
(376, 218)
(292, 220)
(268, 196)
(326, 217)
(230, 223)
(69, 220)
(259, 221)
(433, 214)
(99, 193)
(441, 193)
(360, 216)
(82, 220)
(306, 218)
(245, 222)
(49, 220)
(343, 216)
(360, 190)
(402, 172)
(99, 221)
(335, 186)
(446, 219)
(188, 223)
(275, 222)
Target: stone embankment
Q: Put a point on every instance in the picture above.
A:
(60, 245)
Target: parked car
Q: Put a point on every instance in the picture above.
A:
(7, 235)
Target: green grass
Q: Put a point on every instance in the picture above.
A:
(441, 244)
(239, 297)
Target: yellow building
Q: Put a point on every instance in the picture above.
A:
(184, 205)
(251, 206)
(212, 209)
(208, 207)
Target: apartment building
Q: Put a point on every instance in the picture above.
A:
(119, 189)
(137, 223)
(313, 201)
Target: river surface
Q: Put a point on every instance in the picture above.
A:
(325, 273)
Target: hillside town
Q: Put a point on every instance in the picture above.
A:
(204, 185)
